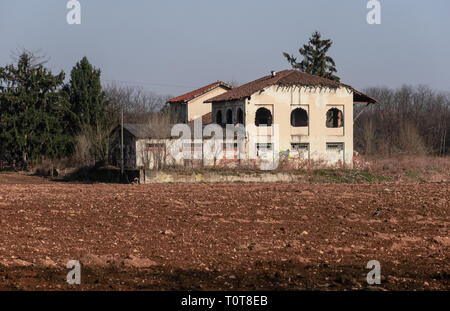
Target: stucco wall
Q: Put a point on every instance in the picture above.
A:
(282, 101)
(129, 151)
(197, 108)
(154, 153)
(223, 107)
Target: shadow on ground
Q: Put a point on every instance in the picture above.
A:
(263, 276)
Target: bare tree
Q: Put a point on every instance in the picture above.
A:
(413, 120)
(137, 104)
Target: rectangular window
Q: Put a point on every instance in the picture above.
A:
(231, 145)
(263, 146)
(157, 145)
(335, 146)
(304, 147)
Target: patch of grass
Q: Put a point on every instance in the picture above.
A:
(374, 178)
(414, 175)
(7, 172)
(346, 176)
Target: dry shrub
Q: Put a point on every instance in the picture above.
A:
(411, 142)
(369, 137)
(422, 168)
(81, 155)
(361, 163)
(51, 167)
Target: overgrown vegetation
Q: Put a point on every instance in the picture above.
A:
(346, 176)
(366, 170)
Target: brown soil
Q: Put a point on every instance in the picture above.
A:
(224, 236)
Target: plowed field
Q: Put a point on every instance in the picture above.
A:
(223, 236)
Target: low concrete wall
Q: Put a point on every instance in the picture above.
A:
(148, 177)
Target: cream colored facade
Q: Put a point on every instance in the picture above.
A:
(315, 141)
(185, 111)
(197, 108)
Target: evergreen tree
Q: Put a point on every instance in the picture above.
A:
(33, 112)
(315, 60)
(87, 99)
(89, 107)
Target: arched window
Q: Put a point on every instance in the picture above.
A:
(240, 116)
(335, 118)
(229, 116)
(219, 117)
(299, 117)
(263, 117)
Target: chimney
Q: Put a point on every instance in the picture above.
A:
(274, 73)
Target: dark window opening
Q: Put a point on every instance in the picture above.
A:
(229, 116)
(156, 146)
(240, 116)
(335, 118)
(263, 117)
(219, 117)
(299, 117)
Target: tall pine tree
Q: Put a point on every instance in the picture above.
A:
(87, 99)
(315, 59)
(89, 107)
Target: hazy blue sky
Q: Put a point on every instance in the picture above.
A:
(172, 46)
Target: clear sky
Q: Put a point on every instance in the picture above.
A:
(171, 47)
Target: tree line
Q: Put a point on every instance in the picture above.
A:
(44, 118)
(407, 120)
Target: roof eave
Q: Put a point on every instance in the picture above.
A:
(177, 102)
(211, 101)
(361, 98)
(221, 84)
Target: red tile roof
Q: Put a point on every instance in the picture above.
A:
(203, 90)
(206, 119)
(285, 78)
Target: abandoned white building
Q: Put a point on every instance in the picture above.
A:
(314, 115)
(311, 118)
